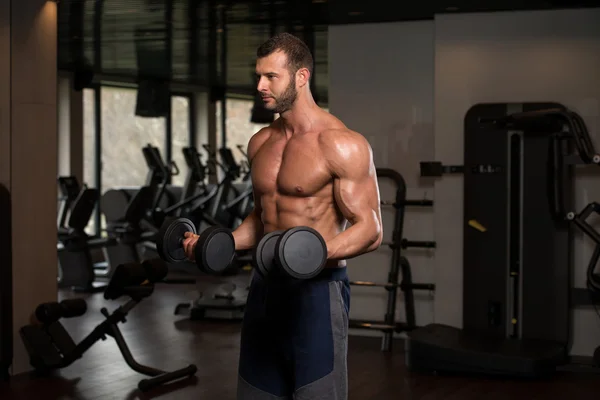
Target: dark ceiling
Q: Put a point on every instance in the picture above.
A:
(373, 11)
(212, 42)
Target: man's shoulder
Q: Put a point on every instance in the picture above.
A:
(347, 152)
(342, 139)
(262, 133)
(258, 139)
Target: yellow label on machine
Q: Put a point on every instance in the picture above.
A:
(475, 224)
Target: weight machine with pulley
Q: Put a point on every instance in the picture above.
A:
(518, 229)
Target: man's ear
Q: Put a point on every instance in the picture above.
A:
(302, 77)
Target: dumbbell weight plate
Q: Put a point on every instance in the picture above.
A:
(264, 253)
(169, 241)
(301, 252)
(215, 250)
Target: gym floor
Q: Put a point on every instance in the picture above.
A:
(158, 338)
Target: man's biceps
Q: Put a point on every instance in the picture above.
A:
(358, 205)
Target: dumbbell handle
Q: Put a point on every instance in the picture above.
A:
(181, 240)
(214, 250)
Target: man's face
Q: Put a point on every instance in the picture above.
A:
(277, 87)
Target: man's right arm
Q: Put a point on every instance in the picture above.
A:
(250, 231)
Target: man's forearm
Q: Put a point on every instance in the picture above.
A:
(249, 232)
(360, 238)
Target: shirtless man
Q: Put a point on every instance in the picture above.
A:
(308, 169)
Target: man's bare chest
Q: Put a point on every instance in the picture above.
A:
(295, 168)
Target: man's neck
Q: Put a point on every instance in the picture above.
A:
(301, 117)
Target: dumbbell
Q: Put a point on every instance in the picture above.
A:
(214, 250)
(298, 253)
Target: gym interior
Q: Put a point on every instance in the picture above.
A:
(118, 116)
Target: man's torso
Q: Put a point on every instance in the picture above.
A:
(293, 183)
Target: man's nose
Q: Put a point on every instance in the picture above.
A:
(262, 85)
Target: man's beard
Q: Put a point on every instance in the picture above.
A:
(286, 100)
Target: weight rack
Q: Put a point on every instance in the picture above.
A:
(399, 265)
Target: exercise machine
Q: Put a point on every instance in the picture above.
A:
(77, 270)
(399, 269)
(50, 347)
(116, 206)
(226, 207)
(518, 243)
(69, 188)
(129, 211)
(6, 295)
(237, 201)
(219, 298)
(159, 176)
(194, 181)
(591, 296)
(196, 194)
(131, 229)
(245, 163)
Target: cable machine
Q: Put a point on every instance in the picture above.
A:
(519, 225)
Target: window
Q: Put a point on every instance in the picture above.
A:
(180, 135)
(239, 129)
(89, 137)
(123, 137)
(89, 150)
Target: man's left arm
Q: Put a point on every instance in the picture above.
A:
(356, 193)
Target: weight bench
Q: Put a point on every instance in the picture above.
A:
(50, 347)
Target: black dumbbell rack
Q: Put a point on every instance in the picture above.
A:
(400, 266)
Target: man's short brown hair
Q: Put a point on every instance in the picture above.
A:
(297, 52)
